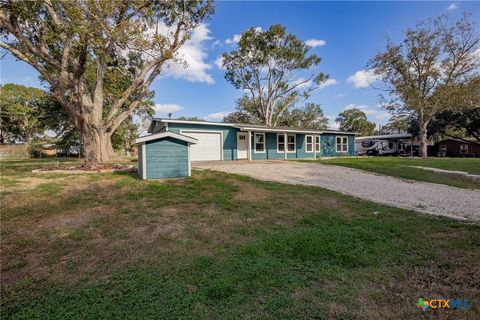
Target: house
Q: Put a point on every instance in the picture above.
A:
(206, 141)
(451, 147)
(389, 144)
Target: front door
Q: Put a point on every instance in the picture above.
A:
(242, 145)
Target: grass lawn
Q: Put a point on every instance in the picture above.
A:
(401, 168)
(221, 246)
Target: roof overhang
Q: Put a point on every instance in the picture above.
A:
(166, 134)
(246, 127)
(256, 129)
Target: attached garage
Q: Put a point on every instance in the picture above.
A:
(164, 155)
(208, 146)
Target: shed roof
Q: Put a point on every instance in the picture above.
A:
(166, 134)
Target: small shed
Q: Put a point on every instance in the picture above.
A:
(164, 155)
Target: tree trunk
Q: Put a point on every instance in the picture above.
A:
(423, 135)
(97, 147)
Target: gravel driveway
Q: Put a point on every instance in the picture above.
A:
(425, 197)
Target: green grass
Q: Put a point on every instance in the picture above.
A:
(404, 168)
(219, 246)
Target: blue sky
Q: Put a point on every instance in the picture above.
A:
(346, 35)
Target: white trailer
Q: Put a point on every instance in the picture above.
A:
(382, 145)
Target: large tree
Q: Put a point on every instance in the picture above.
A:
(268, 66)
(355, 120)
(424, 71)
(310, 115)
(99, 57)
(24, 112)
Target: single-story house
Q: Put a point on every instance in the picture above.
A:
(451, 147)
(236, 141)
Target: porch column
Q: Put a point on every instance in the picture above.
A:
(249, 151)
(314, 142)
(285, 145)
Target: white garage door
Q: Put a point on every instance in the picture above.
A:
(208, 146)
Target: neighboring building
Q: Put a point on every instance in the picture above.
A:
(390, 144)
(169, 146)
(456, 148)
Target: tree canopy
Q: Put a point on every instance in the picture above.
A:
(355, 120)
(99, 57)
(424, 74)
(267, 67)
(25, 112)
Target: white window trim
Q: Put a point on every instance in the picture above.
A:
(144, 160)
(255, 142)
(313, 143)
(336, 144)
(466, 150)
(440, 147)
(294, 142)
(284, 143)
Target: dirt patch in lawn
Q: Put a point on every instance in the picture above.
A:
(250, 193)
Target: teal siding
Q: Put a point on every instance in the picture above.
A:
(140, 160)
(166, 158)
(328, 145)
(229, 136)
(271, 148)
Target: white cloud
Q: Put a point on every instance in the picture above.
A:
(476, 55)
(309, 83)
(363, 78)
(193, 54)
(217, 116)
(219, 62)
(331, 122)
(162, 110)
(327, 83)
(236, 37)
(375, 114)
(340, 95)
(453, 6)
(312, 43)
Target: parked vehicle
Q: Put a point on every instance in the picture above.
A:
(384, 145)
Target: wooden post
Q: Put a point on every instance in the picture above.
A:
(314, 143)
(285, 145)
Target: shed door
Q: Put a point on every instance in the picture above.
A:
(208, 146)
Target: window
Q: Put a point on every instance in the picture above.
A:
(443, 147)
(342, 144)
(464, 149)
(280, 142)
(317, 143)
(259, 142)
(291, 143)
(241, 137)
(390, 145)
(309, 143)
